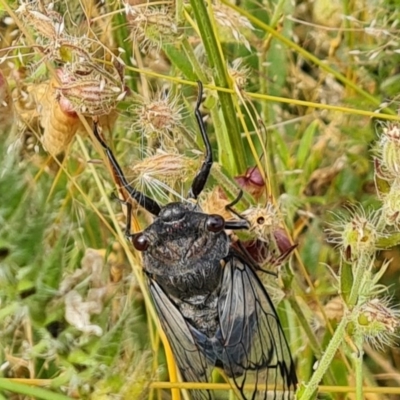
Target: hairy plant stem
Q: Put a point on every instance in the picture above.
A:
(325, 360)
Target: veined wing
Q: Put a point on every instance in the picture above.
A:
(253, 348)
(191, 361)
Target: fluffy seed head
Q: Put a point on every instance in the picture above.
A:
(158, 117)
(356, 235)
(378, 322)
(161, 172)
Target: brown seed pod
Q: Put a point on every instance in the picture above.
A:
(90, 89)
(252, 181)
(46, 23)
(60, 123)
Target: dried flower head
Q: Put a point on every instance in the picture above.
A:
(388, 149)
(239, 73)
(45, 22)
(160, 173)
(355, 234)
(215, 202)
(89, 88)
(231, 22)
(151, 26)
(158, 117)
(264, 221)
(378, 322)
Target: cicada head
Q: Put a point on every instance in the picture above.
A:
(184, 246)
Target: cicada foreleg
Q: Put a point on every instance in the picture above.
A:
(202, 175)
(146, 202)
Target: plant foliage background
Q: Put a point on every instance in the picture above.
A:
(293, 93)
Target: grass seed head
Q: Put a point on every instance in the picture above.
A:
(215, 202)
(233, 23)
(162, 172)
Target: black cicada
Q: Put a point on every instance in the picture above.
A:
(212, 306)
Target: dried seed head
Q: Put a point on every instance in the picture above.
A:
(378, 322)
(264, 221)
(161, 172)
(151, 26)
(158, 117)
(90, 90)
(356, 235)
(215, 202)
(47, 23)
(231, 22)
(239, 73)
(388, 149)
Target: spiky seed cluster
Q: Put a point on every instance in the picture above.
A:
(94, 92)
(356, 235)
(158, 117)
(47, 23)
(232, 22)
(151, 26)
(378, 322)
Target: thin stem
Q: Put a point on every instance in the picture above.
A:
(358, 366)
(325, 360)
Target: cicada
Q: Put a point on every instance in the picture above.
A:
(211, 304)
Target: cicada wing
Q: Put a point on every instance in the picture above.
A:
(191, 361)
(254, 348)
